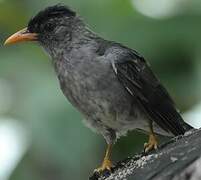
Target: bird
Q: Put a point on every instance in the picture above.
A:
(111, 85)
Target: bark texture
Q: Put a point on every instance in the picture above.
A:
(178, 159)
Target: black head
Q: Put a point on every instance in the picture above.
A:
(48, 19)
(54, 28)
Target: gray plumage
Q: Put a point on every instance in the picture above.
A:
(110, 84)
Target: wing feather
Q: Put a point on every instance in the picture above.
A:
(136, 76)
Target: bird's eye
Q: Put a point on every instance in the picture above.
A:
(49, 27)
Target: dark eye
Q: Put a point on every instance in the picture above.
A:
(49, 27)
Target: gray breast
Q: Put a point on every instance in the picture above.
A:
(90, 84)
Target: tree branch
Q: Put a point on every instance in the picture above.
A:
(178, 159)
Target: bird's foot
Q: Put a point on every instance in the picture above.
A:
(152, 144)
(106, 166)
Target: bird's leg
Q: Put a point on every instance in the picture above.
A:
(153, 142)
(106, 164)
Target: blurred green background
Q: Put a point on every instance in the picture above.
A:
(41, 134)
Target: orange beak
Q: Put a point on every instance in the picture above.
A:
(21, 36)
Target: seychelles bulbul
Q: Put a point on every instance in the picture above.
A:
(110, 84)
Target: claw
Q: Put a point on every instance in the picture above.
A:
(106, 166)
(152, 144)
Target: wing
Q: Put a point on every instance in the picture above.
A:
(138, 79)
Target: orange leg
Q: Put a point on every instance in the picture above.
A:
(106, 164)
(153, 142)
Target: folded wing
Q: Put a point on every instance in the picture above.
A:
(138, 79)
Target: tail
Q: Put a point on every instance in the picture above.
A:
(186, 126)
(183, 127)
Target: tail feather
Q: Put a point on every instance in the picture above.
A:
(186, 126)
